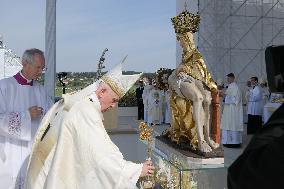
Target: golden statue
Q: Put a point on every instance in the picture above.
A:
(191, 85)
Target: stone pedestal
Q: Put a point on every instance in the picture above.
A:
(216, 113)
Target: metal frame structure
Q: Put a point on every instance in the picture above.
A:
(10, 64)
(234, 34)
(50, 48)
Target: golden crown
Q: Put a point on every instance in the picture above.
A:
(186, 22)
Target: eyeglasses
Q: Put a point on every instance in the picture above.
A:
(39, 67)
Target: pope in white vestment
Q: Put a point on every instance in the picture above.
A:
(18, 126)
(232, 116)
(72, 149)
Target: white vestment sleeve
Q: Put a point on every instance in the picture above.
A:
(15, 125)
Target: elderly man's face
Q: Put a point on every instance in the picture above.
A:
(33, 71)
(107, 98)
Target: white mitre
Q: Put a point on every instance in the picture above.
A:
(119, 83)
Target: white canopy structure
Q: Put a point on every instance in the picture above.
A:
(9, 62)
(234, 34)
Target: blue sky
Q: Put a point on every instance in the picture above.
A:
(140, 29)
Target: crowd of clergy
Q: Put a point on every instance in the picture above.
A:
(235, 101)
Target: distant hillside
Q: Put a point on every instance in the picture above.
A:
(78, 80)
(90, 75)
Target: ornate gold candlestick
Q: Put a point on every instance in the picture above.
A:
(146, 135)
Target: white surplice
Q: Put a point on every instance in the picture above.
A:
(17, 129)
(232, 116)
(255, 101)
(77, 153)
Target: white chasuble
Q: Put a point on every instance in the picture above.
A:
(83, 156)
(255, 101)
(17, 129)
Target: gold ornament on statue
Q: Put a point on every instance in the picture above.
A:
(186, 22)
